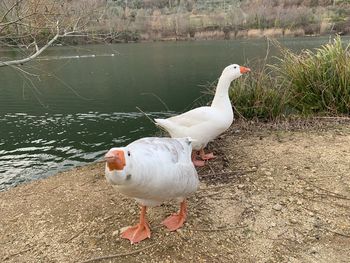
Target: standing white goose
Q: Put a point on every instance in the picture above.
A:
(204, 124)
(153, 170)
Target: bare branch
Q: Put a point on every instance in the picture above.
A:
(36, 46)
(10, 9)
(38, 51)
(32, 24)
(27, 59)
(3, 25)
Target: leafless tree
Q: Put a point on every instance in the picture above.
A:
(34, 25)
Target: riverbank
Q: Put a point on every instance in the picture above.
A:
(226, 34)
(86, 38)
(216, 34)
(229, 34)
(275, 193)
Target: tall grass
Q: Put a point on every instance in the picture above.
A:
(311, 82)
(319, 80)
(259, 95)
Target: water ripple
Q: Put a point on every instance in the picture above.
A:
(37, 146)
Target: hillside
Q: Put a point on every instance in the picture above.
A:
(142, 20)
(228, 19)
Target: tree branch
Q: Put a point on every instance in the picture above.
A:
(10, 9)
(37, 52)
(3, 25)
(27, 59)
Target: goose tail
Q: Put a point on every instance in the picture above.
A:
(166, 125)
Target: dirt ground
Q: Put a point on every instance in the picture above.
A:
(275, 193)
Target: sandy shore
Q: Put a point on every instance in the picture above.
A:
(273, 194)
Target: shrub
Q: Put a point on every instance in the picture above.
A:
(319, 81)
(312, 82)
(260, 95)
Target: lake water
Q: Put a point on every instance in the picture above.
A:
(80, 101)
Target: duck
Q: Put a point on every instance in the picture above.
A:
(153, 170)
(206, 123)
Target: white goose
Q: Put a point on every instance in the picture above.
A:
(204, 124)
(153, 170)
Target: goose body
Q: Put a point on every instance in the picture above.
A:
(152, 171)
(157, 170)
(204, 124)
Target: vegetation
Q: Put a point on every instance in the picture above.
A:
(259, 94)
(34, 25)
(206, 19)
(134, 20)
(319, 80)
(311, 82)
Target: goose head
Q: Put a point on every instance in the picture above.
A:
(118, 164)
(234, 71)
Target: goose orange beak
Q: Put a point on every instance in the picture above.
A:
(115, 160)
(244, 70)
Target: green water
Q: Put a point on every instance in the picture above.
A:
(80, 101)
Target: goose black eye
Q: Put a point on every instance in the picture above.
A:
(235, 67)
(129, 153)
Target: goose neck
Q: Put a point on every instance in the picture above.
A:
(221, 98)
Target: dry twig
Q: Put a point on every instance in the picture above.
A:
(212, 194)
(335, 232)
(138, 108)
(119, 255)
(217, 229)
(157, 97)
(75, 235)
(332, 194)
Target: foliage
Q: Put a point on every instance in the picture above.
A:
(259, 95)
(128, 36)
(173, 19)
(312, 82)
(319, 80)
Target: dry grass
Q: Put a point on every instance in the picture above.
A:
(310, 82)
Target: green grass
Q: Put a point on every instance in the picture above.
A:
(259, 95)
(311, 82)
(320, 79)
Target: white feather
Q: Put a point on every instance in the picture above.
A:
(204, 124)
(157, 170)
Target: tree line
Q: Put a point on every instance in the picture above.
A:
(34, 24)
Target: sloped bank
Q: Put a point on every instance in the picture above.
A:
(275, 193)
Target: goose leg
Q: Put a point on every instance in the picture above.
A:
(205, 156)
(140, 231)
(176, 221)
(195, 161)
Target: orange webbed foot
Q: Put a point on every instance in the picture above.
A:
(137, 233)
(206, 156)
(175, 221)
(198, 163)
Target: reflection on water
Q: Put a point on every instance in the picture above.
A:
(36, 146)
